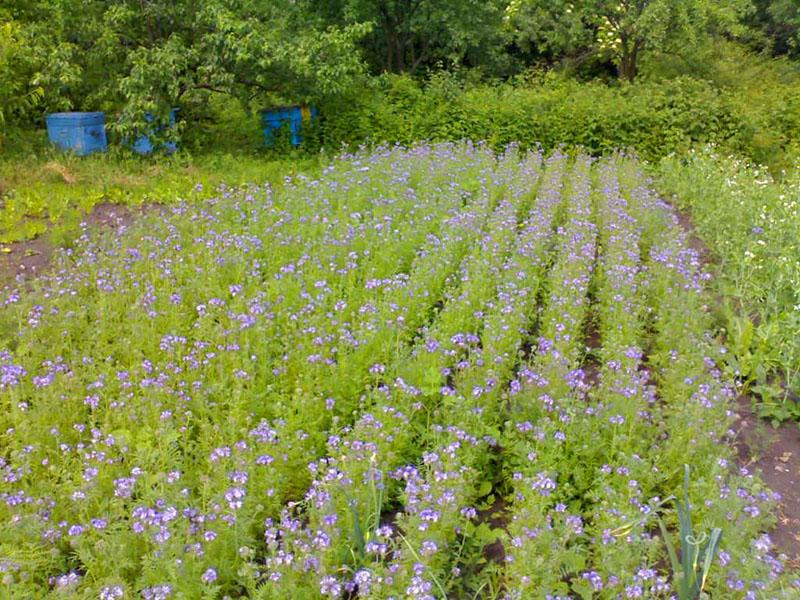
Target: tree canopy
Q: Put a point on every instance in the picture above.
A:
(408, 35)
(621, 29)
(146, 56)
(133, 57)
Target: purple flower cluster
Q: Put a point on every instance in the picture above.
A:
(364, 384)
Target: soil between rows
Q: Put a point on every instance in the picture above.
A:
(30, 258)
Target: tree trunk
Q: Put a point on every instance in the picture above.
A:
(629, 62)
(390, 44)
(394, 48)
(389, 35)
(400, 57)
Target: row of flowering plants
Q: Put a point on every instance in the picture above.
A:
(748, 219)
(634, 398)
(432, 372)
(381, 473)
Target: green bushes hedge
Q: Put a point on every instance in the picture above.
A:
(758, 119)
(653, 118)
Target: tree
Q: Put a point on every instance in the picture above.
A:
(624, 29)
(20, 91)
(779, 20)
(144, 56)
(550, 30)
(12, 86)
(410, 34)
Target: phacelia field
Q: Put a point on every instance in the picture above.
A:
(433, 372)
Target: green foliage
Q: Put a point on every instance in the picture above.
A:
(17, 95)
(653, 118)
(133, 58)
(785, 15)
(622, 30)
(697, 552)
(762, 92)
(55, 191)
(750, 222)
(378, 371)
(409, 35)
(776, 24)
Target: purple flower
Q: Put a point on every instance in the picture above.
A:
(607, 537)
(428, 548)
(123, 487)
(363, 580)
(330, 586)
(66, 580)
(594, 579)
(543, 484)
(157, 592)
(235, 498)
(10, 373)
(210, 576)
(634, 591)
(112, 592)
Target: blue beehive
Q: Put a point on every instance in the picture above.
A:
(275, 118)
(144, 145)
(81, 132)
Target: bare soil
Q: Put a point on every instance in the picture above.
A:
(30, 258)
(695, 243)
(775, 452)
(497, 517)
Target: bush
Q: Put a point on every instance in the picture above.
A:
(653, 118)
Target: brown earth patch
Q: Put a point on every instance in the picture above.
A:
(30, 258)
(26, 259)
(497, 518)
(775, 453)
(695, 243)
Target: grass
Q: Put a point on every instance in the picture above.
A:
(41, 187)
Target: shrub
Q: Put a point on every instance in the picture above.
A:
(653, 118)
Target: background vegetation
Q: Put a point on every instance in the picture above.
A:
(129, 57)
(657, 78)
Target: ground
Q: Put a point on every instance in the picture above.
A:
(775, 452)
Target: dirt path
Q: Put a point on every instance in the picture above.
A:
(774, 452)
